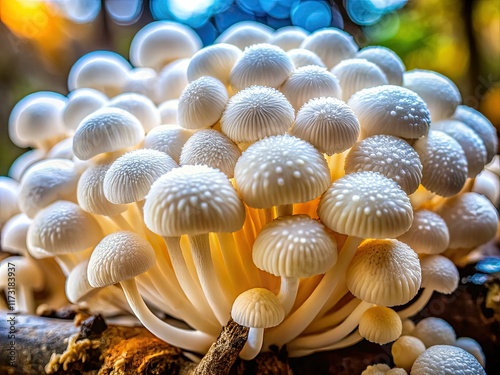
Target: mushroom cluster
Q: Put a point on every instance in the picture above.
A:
(286, 180)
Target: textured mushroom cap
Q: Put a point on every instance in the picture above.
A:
(255, 113)
(77, 283)
(471, 143)
(27, 273)
(14, 233)
(168, 111)
(246, 33)
(439, 93)
(328, 124)
(160, 42)
(142, 81)
(294, 246)
(380, 325)
(168, 139)
(377, 369)
(303, 57)
(481, 125)
(172, 80)
(389, 155)
(216, 61)
(471, 218)
(406, 350)
(288, 37)
(45, 182)
(90, 192)
(439, 274)
(130, 176)
(366, 205)
(428, 233)
(434, 331)
(212, 148)
(104, 71)
(257, 308)
(473, 347)
(331, 45)
(193, 199)
(444, 163)
(140, 106)
(82, 102)
(261, 64)
(8, 198)
(201, 103)
(387, 60)
(62, 228)
(106, 130)
(310, 82)
(390, 110)
(358, 74)
(119, 256)
(36, 118)
(281, 170)
(384, 272)
(446, 360)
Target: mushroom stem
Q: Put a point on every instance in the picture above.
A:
(253, 345)
(121, 223)
(288, 292)
(243, 244)
(284, 210)
(418, 305)
(334, 318)
(233, 262)
(350, 340)
(25, 300)
(268, 215)
(186, 339)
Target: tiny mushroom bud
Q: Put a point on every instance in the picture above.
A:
(288, 37)
(14, 234)
(9, 192)
(405, 351)
(303, 57)
(140, 106)
(168, 111)
(380, 325)
(168, 139)
(82, 102)
(172, 80)
(434, 331)
(257, 308)
(446, 360)
(378, 369)
(244, 34)
(387, 60)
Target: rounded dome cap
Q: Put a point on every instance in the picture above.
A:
(406, 350)
(281, 170)
(384, 272)
(294, 246)
(434, 331)
(119, 256)
(193, 199)
(366, 205)
(446, 360)
(172, 80)
(9, 192)
(168, 111)
(288, 37)
(140, 106)
(389, 155)
(257, 308)
(77, 283)
(255, 113)
(390, 110)
(328, 124)
(82, 102)
(439, 274)
(380, 325)
(387, 60)
(303, 57)
(244, 34)
(168, 139)
(14, 231)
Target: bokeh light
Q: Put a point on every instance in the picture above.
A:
(124, 12)
(311, 15)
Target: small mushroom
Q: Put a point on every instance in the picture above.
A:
(434, 331)
(446, 360)
(380, 325)
(473, 347)
(405, 350)
(140, 106)
(244, 34)
(303, 57)
(8, 199)
(387, 60)
(24, 161)
(288, 37)
(81, 103)
(142, 81)
(168, 111)
(14, 234)
(172, 80)
(168, 139)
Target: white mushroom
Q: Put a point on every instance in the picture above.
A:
(434, 331)
(446, 360)
(9, 192)
(244, 34)
(168, 139)
(81, 103)
(140, 106)
(303, 57)
(288, 37)
(172, 79)
(387, 60)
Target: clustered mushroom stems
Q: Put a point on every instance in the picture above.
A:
(284, 179)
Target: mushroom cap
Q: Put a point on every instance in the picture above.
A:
(380, 325)
(281, 170)
(358, 74)
(255, 113)
(106, 130)
(439, 274)
(482, 126)
(328, 124)
(212, 148)
(434, 331)
(161, 42)
(201, 103)
(24, 161)
(385, 272)
(77, 283)
(471, 218)
(331, 45)
(9, 192)
(45, 182)
(142, 81)
(193, 199)
(294, 246)
(303, 57)
(439, 93)
(310, 82)
(377, 369)
(27, 273)
(288, 37)
(406, 350)
(168, 139)
(37, 117)
(62, 228)
(444, 163)
(81, 103)
(473, 347)
(387, 60)
(216, 61)
(261, 64)
(130, 176)
(168, 111)
(244, 34)
(257, 308)
(446, 360)
(14, 233)
(390, 110)
(172, 80)
(428, 233)
(366, 205)
(471, 143)
(389, 155)
(119, 256)
(63, 150)
(140, 106)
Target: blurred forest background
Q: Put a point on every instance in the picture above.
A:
(41, 39)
